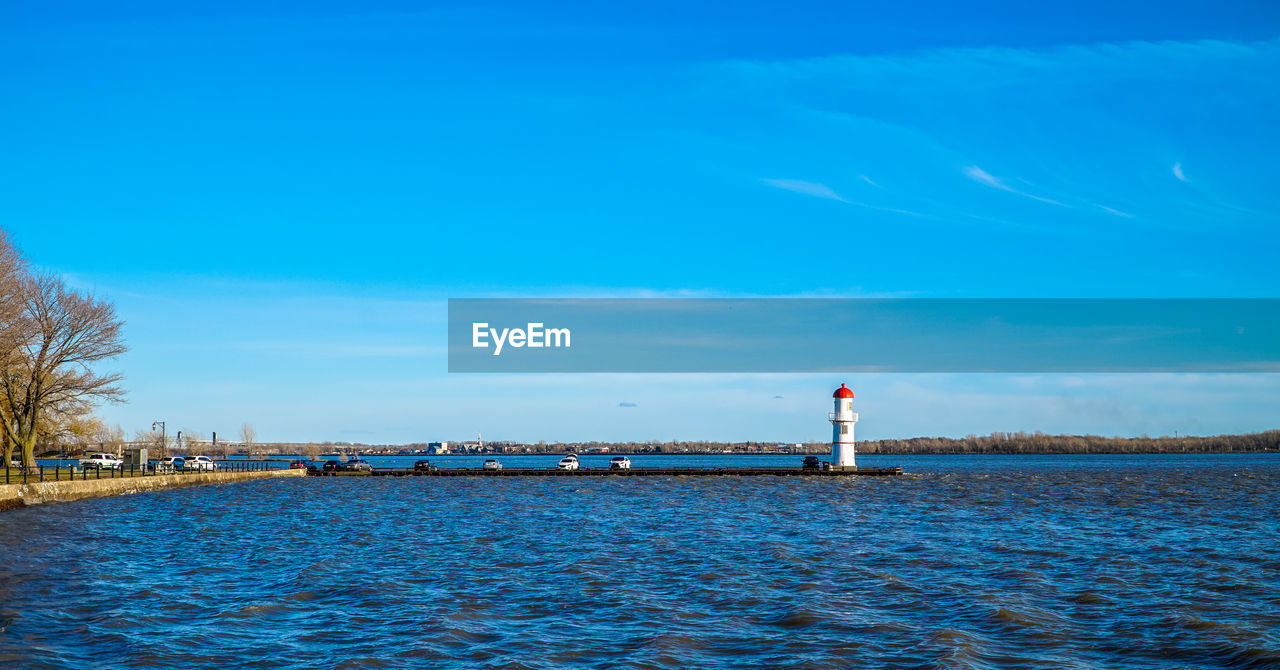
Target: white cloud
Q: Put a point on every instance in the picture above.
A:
(312, 349)
(1115, 212)
(986, 179)
(982, 177)
(823, 191)
(1177, 172)
(806, 187)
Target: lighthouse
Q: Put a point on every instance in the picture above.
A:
(842, 420)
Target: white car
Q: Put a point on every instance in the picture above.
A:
(620, 463)
(200, 463)
(170, 464)
(492, 465)
(108, 461)
(568, 463)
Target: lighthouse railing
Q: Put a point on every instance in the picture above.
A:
(842, 416)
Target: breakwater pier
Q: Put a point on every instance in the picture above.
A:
(604, 472)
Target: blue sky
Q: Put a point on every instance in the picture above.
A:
(280, 200)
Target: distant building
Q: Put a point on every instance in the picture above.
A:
(437, 448)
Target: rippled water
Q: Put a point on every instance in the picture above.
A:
(970, 562)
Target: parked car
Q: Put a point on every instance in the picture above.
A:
(357, 465)
(491, 465)
(811, 463)
(424, 466)
(107, 461)
(199, 463)
(619, 463)
(171, 464)
(331, 466)
(297, 465)
(568, 463)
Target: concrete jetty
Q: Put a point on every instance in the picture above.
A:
(603, 472)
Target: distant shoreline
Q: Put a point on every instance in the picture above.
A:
(861, 452)
(996, 444)
(1046, 445)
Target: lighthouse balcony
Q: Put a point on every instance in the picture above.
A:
(842, 416)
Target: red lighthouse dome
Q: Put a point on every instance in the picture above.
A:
(842, 392)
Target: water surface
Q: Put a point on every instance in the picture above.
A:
(973, 561)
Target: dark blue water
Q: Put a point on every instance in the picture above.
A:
(971, 562)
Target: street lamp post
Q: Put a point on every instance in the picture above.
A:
(163, 441)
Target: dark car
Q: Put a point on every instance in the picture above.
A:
(298, 465)
(424, 466)
(357, 465)
(331, 466)
(811, 463)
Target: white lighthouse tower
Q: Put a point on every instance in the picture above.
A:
(842, 420)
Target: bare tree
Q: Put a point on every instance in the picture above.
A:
(13, 328)
(311, 451)
(248, 435)
(193, 440)
(109, 438)
(152, 438)
(64, 334)
(13, 269)
(59, 430)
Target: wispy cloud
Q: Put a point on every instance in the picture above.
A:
(316, 349)
(1115, 212)
(987, 179)
(823, 191)
(983, 177)
(627, 404)
(1078, 155)
(806, 187)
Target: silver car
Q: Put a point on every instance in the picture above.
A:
(171, 464)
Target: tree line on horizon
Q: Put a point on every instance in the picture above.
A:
(1040, 443)
(995, 443)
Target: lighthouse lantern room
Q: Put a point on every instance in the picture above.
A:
(842, 420)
